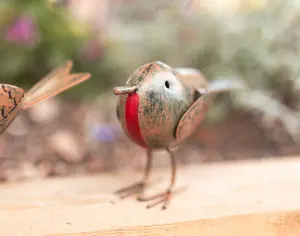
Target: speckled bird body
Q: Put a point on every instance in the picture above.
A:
(159, 107)
(162, 98)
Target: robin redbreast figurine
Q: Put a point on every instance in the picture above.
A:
(159, 108)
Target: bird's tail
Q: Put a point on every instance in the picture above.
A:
(57, 81)
(223, 85)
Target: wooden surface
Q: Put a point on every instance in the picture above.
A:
(259, 198)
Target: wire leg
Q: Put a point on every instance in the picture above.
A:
(166, 196)
(137, 188)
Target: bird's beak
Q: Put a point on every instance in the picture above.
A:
(124, 90)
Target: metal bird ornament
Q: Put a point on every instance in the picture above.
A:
(158, 108)
(13, 99)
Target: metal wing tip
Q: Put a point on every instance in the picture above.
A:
(69, 62)
(87, 75)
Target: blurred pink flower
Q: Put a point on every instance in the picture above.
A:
(23, 31)
(93, 50)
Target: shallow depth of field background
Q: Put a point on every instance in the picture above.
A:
(77, 132)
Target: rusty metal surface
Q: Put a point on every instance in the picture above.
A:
(13, 99)
(160, 108)
(10, 100)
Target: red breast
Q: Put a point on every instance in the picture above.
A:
(132, 119)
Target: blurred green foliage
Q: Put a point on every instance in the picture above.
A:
(35, 38)
(261, 47)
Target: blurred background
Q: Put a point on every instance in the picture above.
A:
(77, 132)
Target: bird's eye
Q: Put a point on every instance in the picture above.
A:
(167, 84)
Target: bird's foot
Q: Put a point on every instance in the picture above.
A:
(136, 188)
(163, 198)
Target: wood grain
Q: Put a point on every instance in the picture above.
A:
(258, 198)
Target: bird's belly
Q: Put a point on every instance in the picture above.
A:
(132, 119)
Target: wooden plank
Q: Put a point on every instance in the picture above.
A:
(242, 198)
(264, 224)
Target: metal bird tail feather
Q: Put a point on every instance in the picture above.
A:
(223, 85)
(54, 83)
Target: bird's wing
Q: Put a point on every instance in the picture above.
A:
(197, 111)
(10, 100)
(198, 84)
(57, 81)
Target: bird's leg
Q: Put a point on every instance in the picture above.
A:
(137, 188)
(166, 196)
